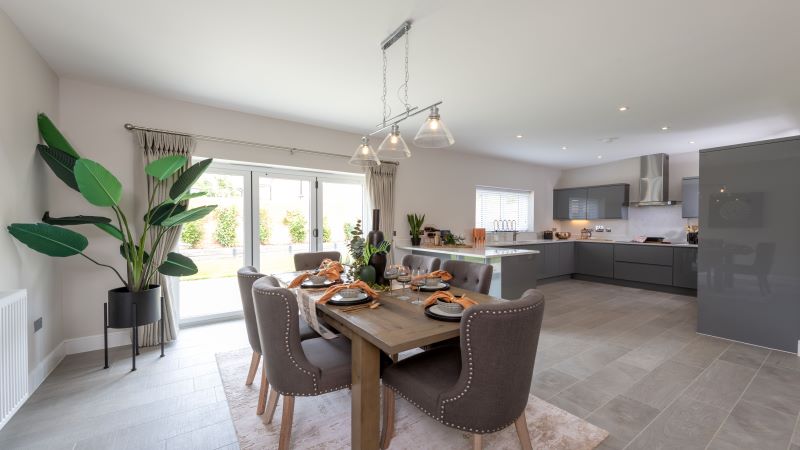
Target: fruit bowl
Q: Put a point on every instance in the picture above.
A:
(563, 235)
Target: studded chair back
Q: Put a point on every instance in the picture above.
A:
(420, 262)
(248, 275)
(310, 261)
(469, 275)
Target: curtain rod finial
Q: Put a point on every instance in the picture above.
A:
(129, 126)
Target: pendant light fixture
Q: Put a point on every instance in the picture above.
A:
(434, 133)
(364, 155)
(394, 146)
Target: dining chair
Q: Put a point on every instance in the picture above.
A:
(312, 260)
(427, 263)
(469, 275)
(247, 276)
(294, 367)
(482, 386)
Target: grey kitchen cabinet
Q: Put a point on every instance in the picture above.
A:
(595, 259)
(684, 267)
(607, 202)
(569, 204)
(566, 258)
(643, 273)
(553, 260)
(690, 201)
(643, 263)
(643, 254)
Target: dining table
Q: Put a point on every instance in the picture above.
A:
(397, 325)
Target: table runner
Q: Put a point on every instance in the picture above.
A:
(307, 304)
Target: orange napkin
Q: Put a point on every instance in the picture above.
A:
(330, 274)
(357, 285)
(443, 274)
(445, 296)
(328, 263)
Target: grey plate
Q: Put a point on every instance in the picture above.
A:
(339, 300)
(310, 285)
(440, 312)
(442, 286)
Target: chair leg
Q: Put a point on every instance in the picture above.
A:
(286, 422)
(522, 432)
(272, 404)
(262, 392)
(387, 431)
(477, 441)
(251, 374)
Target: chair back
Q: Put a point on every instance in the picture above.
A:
(498, 350)
(312, 260)
(469, 275)
(248, 275)
(420, 262)
(288, 370)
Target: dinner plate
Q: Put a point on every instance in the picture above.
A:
(309, 285)
(342, 301)
(442, 286)
(434, 312)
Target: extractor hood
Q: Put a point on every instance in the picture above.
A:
(654, 181)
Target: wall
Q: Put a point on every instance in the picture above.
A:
(439, 183)
(650, 220)
(27, 86)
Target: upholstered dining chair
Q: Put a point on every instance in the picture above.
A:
(312, 260)
(247, 276)
(294, 367)
(426, 263)
(483, 385)
(469, 275)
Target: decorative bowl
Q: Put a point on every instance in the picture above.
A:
(563, 235)
(318, 279)
(350, 293)
(448, 307)
(433, 282)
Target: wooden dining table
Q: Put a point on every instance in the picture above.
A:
(394, 327)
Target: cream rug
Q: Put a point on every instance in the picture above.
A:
(323, 422)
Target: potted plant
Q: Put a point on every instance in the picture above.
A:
(101, 188)
(415, 224)
(375, 257)
(365, 256)
(356, 250)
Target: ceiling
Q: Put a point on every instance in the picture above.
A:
(716, 72)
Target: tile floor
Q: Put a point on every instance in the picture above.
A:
(625, 359)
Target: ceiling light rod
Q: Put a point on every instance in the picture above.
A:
(396, 35)
(401, 117)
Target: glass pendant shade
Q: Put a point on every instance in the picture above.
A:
(394, 146)
(364, 155)
(434, 133)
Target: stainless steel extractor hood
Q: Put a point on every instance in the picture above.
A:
(654, 181)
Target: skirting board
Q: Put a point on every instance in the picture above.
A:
(45, 367)
(116, 338)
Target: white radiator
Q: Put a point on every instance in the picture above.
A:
(13, 353)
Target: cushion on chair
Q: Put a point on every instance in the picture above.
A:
(423, 377)
(306, 332)
(332, 357)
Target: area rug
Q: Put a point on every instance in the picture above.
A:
(323, 422)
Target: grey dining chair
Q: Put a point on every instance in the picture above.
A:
(312, 260)
(294, 367)
(469, 275)
(482, 386)
(247, 276)
(426, 263)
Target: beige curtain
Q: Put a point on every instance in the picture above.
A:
(158, 145)
(380, 189)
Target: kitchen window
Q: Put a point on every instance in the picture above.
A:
(497, 206)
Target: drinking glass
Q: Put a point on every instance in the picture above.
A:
(391, 273)
(403, 276)
(418, 280)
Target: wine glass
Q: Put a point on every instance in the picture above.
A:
(418, 280)
(403, 276)
(391, 273)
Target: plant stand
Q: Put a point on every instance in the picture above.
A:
(134, 333)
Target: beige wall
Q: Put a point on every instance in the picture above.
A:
(27, 87)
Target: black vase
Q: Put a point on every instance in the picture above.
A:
(120, 309)
(415, 241)
(375, 237)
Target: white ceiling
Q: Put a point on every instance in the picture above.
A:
(715, 71)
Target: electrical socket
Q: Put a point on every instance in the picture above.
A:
(37, 324)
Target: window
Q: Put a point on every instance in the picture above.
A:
(494, 205)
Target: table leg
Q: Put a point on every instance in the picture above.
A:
(365, 428)
(134, 337)
(105, 333)
(163, 310)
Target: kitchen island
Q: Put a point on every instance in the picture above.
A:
(514, 269)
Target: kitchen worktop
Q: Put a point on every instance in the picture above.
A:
(599, 241)
(480, 252)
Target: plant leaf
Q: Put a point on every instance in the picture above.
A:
(53, 137)
(123, 250)
(177, 265)
(73, 220)
(163, 168)
(187, 179)
(188, 216)
(61, 163)
(188, 196)
(112, 230)
(162, 212)
(97, 184)
(49, 239)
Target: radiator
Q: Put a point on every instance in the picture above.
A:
(13, 353)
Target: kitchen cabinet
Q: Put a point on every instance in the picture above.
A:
(643, 273)
(553, 260)
(595, 259)
(607, 202)
(684, 267)
(643, 263)
(569, 204)
(643, 254)
(566, 258)
(690, 201)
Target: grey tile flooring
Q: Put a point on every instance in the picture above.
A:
(625, 359)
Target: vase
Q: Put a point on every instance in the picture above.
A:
(120, 306)
(415, 241)
(367, 274)
(375, 237)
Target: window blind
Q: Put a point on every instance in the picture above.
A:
(492, 204)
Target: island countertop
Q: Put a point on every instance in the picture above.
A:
(480, 252)
(507, 244)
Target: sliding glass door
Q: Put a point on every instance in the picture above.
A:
(264, 217)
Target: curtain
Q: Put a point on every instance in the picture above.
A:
(380, 189)
(157, 145)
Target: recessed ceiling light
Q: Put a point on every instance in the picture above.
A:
(519, 136)
(664, 128)
(623, 108)
(564, 147)
(599, 156)
(691, 142)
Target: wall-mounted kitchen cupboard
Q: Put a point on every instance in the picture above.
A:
(690, 204)
(593, 202)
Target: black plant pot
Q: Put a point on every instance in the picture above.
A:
(120, 309)
(415, 241)
(375, 237)
(378, 261)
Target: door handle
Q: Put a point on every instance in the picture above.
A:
(315, 233)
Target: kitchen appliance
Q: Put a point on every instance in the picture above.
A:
(654, 181)
(586, 233)
(748, 263)
(547, 234)
(650, 240)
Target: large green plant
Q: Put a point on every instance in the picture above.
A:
(101, 188)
